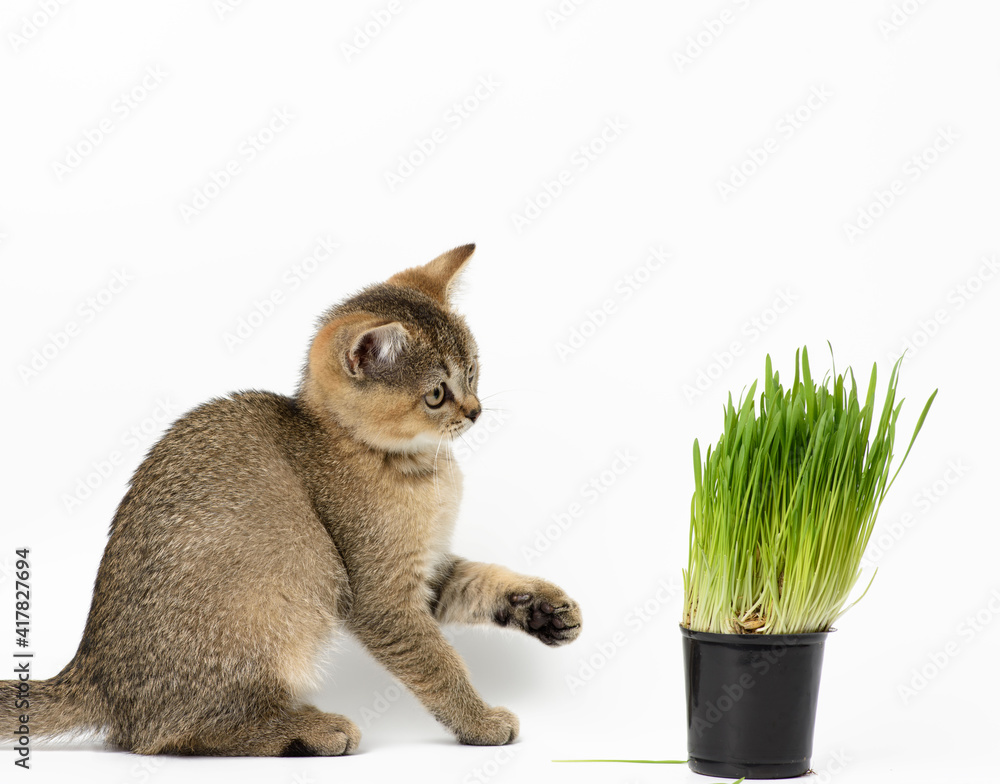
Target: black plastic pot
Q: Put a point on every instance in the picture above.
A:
(751, 702)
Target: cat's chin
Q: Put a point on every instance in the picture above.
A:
(419, 444)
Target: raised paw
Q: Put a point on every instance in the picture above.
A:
(496, 727)
(545, 612)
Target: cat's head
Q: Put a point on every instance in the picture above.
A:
(394, 364)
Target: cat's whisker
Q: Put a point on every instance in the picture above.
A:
(494, 394)
(451, 460)
(437, 487)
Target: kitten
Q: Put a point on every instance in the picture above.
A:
(259, 524)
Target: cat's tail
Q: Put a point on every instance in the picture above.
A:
(36, 709)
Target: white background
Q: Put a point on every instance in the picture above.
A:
(764, 268)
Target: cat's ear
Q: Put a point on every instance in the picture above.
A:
(436, 278)
(370, 349)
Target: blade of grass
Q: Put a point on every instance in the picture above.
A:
(642, 762)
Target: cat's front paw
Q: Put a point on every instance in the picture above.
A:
(496, 727)
(545, 612)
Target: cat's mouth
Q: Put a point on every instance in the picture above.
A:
(455, 429)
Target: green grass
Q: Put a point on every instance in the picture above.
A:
(785, 503)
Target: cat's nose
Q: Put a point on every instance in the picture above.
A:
(474, 414)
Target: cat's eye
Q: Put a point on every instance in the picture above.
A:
(435, 398)
(473, 369)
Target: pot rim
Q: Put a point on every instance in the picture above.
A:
(805, 638)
